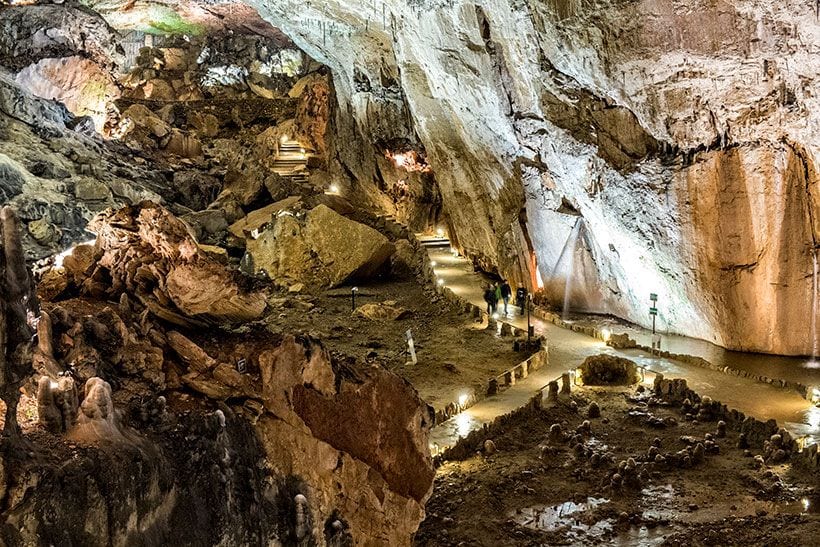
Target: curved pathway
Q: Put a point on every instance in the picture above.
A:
(568, 349)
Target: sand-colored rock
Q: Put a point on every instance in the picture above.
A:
(256, 219)
(345, 248)
(324, 249)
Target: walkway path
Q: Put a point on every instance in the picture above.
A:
(568, 349)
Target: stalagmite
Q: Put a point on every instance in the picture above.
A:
(18, 309)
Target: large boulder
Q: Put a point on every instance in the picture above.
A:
(323, 248)
(605, 369)
(347, 249)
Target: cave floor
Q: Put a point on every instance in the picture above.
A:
(526, 494)
(456, 356)
(568, 349)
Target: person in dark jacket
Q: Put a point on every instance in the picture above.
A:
(506, 293)
(489, 298)
(521, 298)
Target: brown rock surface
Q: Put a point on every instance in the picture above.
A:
(149, 253)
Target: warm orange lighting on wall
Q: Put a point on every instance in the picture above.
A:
(409, 161)
(536, 280)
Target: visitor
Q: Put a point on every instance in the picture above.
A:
(521, 298)
(489, 298)
(506, 293)
(497, 290)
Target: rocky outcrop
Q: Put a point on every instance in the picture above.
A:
(607, 369)
(274, 429)
(324, 249)
(55, 176)
(147, 253)
(81, 85)
(341, 447)
(29, 34)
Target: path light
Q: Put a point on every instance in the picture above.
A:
(285, 138)
(463, 423)
(495, 316)
(440, 282)
(334, 189)
(462, 399)
(353, 292)
(433, 263)
(606, 334)
(440, 232)
(454, 251)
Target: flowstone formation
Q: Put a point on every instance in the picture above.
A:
(681, 135)
(288, 443)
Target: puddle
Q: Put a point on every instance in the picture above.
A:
(662, 506)
(564, 516)
(642, 536)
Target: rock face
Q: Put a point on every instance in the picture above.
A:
(32, 33)
(325, 249)
(682, 135)
(286, 444)
(337, 452)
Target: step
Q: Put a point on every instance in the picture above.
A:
(435, 242)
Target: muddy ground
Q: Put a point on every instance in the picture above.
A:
(537, 491)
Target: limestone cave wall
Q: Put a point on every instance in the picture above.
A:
(682, 133)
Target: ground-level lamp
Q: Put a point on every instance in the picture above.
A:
(353, 292)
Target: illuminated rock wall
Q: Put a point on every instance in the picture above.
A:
(684, 134)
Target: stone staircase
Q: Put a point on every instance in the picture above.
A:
(291, 162)
(433, 241)
(388, 225)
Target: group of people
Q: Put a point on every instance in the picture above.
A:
(503, 292)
